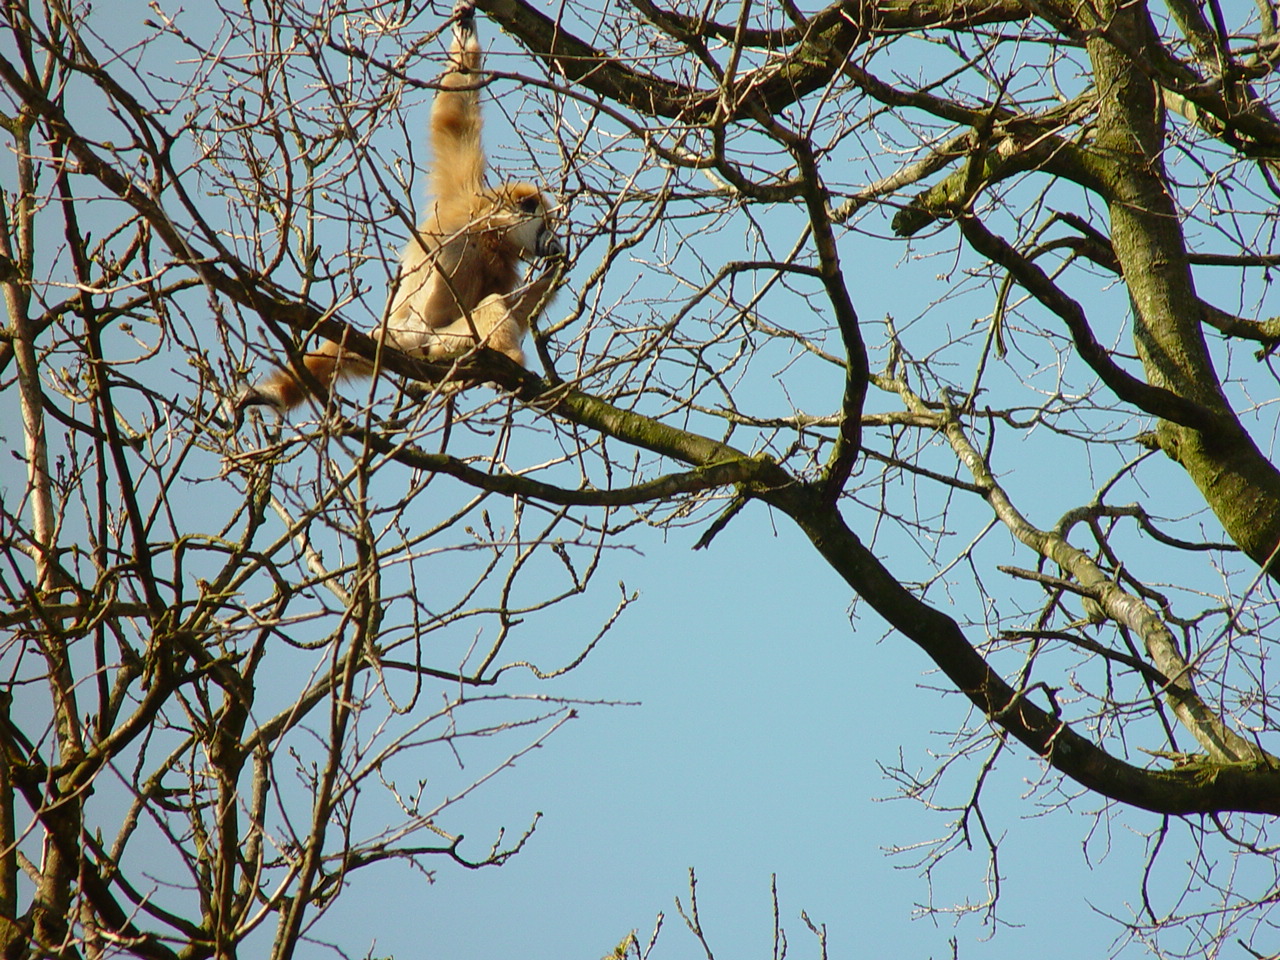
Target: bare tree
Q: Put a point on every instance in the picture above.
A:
(260, 650)
(1093, 187)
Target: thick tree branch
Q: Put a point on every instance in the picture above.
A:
(1156, 401)
(1222, 743)
(1237, 480)
(820, 51)
(1252, 786)
(742, 469)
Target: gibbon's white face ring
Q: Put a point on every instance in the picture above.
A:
(548, 242)
(534, 236)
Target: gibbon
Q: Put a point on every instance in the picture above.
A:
(459, 282)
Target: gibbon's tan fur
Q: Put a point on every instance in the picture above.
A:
(459, 282)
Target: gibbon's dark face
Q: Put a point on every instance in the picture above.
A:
(532, 232)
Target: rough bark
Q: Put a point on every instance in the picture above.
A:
(1237, 481)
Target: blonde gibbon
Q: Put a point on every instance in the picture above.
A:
(460, 279)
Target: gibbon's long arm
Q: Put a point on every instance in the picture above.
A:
(458, 164)
(460, 272)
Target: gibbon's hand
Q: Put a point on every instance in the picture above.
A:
(464, 15)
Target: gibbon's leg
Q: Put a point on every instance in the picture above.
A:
(500, 322)
(498, 330)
